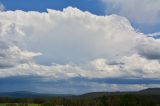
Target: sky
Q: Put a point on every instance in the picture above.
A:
(79, 46)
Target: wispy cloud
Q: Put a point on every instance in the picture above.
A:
(155, 35)
(138, 11)
(2, 7)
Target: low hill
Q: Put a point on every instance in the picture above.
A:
(150, 91)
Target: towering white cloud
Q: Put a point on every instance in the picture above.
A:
(58, 45)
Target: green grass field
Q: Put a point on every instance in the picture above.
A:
(4, 104)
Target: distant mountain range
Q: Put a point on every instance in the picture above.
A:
(26, 94)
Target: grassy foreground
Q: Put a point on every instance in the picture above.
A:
(18, 104)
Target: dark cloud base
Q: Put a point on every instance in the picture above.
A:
(75, 85)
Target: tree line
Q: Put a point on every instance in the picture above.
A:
(114, 100)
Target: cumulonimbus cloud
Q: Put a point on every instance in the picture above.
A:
(58, 45)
